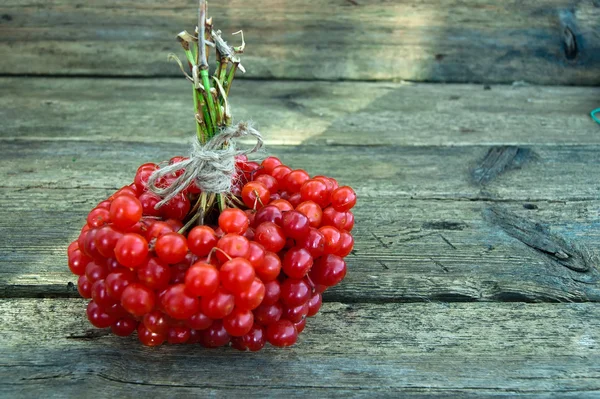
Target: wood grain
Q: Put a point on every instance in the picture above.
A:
(415, 172)
(347, 350)
(548, 42)
(158, 110)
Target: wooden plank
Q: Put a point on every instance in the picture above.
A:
(406, 249)
(356, 350)
(544, 173)
(549, 42)
(158, 110)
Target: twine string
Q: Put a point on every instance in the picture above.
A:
(211, 166)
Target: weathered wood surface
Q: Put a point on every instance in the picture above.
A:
(348, 350)
(452, 182)
(158, 110)
(550, 41)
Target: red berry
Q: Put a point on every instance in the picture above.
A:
(255, 195)
(100, 295)
(98, 317)
(280, 173)
(138, 299)
(131, 250)
(272, 293)
(201, 279)
(269, 269)
(269, 182)
(295, 179)
(171, 248)
(297, 262)
(124, 327)
(314, 304)
(98, 217)
(158, 229)
(154, 274)
(312, 211)
(268, 214)
(343, 199)
(125, 190)
(235, 246)
(252, 297)
(104, 205)
(178, 335)
(84, 287)
(175, 224)
(270, 163)
(89, 244)
(295, 225)
(201, 239)
(72, 247)
(236, 275)
(329, 182)
(295, 199)
(294, 292)
(295, 314)
(215, 335)
(328, 270)
(95, 272)
(282, 333)
(106, 239)
(233, 220)
(313, 242)
(283, 205)
(239, 322)
(333, 238)
(316, 191)
(347, 243)
(300, 326)
(256, 255)
(178, 304)
(349, 221)
(199, 321)
(125, 211)
(148, 337)
(176, 208)
(78, 262)
(149, 201)
(270, 236)
(143, 174)
(268, 314)
(217, 305)
(178, 273)
(156, 322)
(253, 341)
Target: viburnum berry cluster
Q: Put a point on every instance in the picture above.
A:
(251, 276)
(242, 260)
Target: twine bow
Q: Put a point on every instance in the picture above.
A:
(211, 166)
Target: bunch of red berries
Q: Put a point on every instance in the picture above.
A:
(250, 272)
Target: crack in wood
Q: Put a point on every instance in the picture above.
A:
(533, 234)
(440, 264)
(498, 160)
(447, 241)
(90, 334)
(382, 264)
(386, 246)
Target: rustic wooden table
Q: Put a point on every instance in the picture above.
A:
(474, 272)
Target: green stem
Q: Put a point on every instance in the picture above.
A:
(209, 101)
(229, 78)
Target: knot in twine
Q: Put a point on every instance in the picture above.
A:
(211, 166)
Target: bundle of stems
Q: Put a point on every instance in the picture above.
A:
(211, 107)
